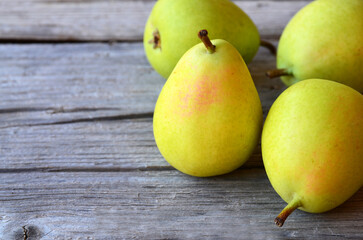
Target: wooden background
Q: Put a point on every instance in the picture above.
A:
(77, 154)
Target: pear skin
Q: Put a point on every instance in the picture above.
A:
(208, 117)
(171, 27)
(312, 145)
(323, 40)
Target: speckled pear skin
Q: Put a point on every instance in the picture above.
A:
(208, 117)
(324, 40)
(178, 21)
(312, 144)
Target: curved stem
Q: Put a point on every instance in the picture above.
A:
(203, 35)
(294, 204)
(269, 46)
(278, 73)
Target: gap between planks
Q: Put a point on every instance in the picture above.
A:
(73, 107)
(70, 83)
(162, 205)
(102, 20)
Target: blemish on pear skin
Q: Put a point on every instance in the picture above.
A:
(315, 156)
(198, 96)
(312, 185)
(156, 40)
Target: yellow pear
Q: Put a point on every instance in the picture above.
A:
(170, 28)
(323, 40)
(312, 146)
(208, 117)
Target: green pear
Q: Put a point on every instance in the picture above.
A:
(312, 146)
(323, 40)
(172, 25)
(208, 117)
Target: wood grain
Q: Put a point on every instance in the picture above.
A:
(77, 154)
(160, 205)
(60, 83)
(123, 145)
(104, 20)
(89, 106)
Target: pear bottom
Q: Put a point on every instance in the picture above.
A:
(312, 144)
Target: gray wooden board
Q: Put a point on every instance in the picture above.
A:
(44, 88)
(49, 83)
(89, 146)
(74, 20)
(77, 155)
(160, 205)
(67, 81)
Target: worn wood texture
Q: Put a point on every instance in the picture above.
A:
(55, 83)
(160, 205)
(74, 20)
(45, 88)
(110, 145)
(78, 162)
(106, 88)
(77, 154)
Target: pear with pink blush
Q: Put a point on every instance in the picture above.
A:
(208, 117)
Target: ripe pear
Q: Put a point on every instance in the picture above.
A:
(171, 27)
(312, 146)
(208, 117)
(323, 40)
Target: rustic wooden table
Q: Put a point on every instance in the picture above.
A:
(78, 158)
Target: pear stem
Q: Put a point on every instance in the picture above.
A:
(203, 35)
(278, 73)
(294, 204)
(269, 46)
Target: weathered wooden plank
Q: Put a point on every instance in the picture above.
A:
(104, 88)
(71, 81)
(103, 20)
(46, 83)
(122, 145)
(160, 205)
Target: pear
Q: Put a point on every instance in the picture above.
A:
(172, 25)
(312, 146)
(208, 116)
(323, 40)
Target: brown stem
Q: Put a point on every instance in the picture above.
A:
(203, 35)
(294, 204)
(278, 73)
(269, 46)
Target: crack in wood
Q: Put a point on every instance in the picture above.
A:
(83, 41)
(102, 169)
(89, 169)
(16, 110)
(65, 41)
(54, 110)
(81, 109)
(95, 119)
